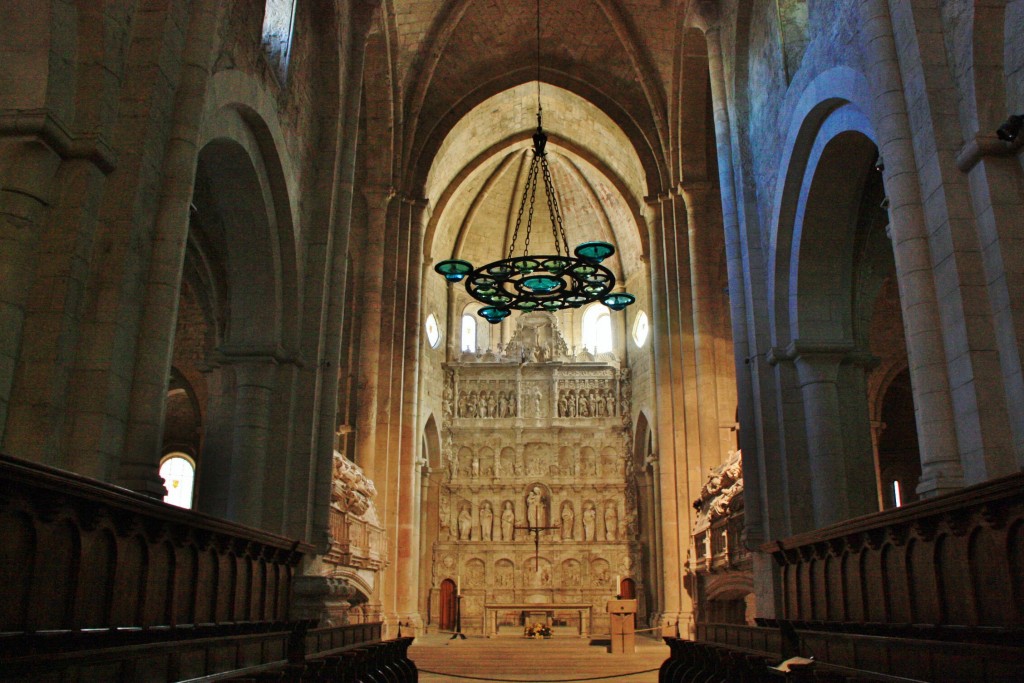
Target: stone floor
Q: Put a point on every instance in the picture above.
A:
(519, 659)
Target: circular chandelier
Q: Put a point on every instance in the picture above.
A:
(547, 282)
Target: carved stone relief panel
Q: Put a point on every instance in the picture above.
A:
(536, 440)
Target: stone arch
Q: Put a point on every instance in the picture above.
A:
(432, 443)
(820, 247)
(244, 232)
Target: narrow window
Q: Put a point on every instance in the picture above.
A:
(597, 329)
(278, 24)
(468, 333)
(896, 495)
(179, 473)
(641, 329)
(433, 331)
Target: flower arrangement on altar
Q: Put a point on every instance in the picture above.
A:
(537, 631)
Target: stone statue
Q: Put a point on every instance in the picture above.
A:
(568, 521)
(475, 466)
(508, 520)
(465, 524)
(611, 522)
(589, 522)
(563, 406)
(584, 403)
(462, 406)
(453, 465)
(535, 516)
(445, 514)
(486, 521)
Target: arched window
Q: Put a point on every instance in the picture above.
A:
(179, 474)
(641, 329)
(433, 331)
(468, 332)
(597, 329)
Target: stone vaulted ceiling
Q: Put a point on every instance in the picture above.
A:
(465, 103)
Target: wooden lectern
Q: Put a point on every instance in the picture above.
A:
(622, 616)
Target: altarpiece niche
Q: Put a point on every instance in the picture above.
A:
(534, 436)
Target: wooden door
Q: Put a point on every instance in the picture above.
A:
(447, 607)
(627, 589)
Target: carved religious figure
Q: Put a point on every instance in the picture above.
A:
(535, 516)
(584, 403)
(465, 523)
(475, 465)
(508, 520)
(611, 522)
(453, 465)
(568, 521)
(446, 515)
(589, 522)
(486, 521)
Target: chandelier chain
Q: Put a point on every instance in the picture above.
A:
(522, 207)
(529, 217)
(557, 228)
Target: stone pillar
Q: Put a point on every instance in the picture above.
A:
(27, 169)
(35, 421)
(409, 500)
(998, 204)
(705, 245)
(213, 484)
(254, 389)
(838, 442)
(936, 261)
(370, 315)
(670, 428)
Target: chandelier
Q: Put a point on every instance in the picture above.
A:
(544, 282)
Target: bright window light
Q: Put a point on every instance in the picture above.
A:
(469, 333)
(641, 329)
(896, 493)
(179, 474)
(597, 329)
(433, 331)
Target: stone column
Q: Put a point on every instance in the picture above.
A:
(408, 531)
(214, 477)
(27, 169)
(372, 280)
(834, 449)
(255, 380)
(934, 329)
(670, 411)
(705, 244)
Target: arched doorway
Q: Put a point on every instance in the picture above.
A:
(627, 589)
(448, 607)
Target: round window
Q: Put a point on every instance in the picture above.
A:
(433, 331)
(641, 329)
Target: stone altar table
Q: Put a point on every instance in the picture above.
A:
(584, 609)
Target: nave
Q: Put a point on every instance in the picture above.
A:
(562, 658)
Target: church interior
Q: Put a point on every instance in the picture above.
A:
(328, 327)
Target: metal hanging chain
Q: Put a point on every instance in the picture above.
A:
(557, 229)
(530, 181)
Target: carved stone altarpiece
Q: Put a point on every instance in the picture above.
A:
(534, 438)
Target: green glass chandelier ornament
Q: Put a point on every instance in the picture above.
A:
(549, 282)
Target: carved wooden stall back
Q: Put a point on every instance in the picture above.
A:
(79, 554)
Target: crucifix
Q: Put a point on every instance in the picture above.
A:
(535, 530)
(535, 522)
